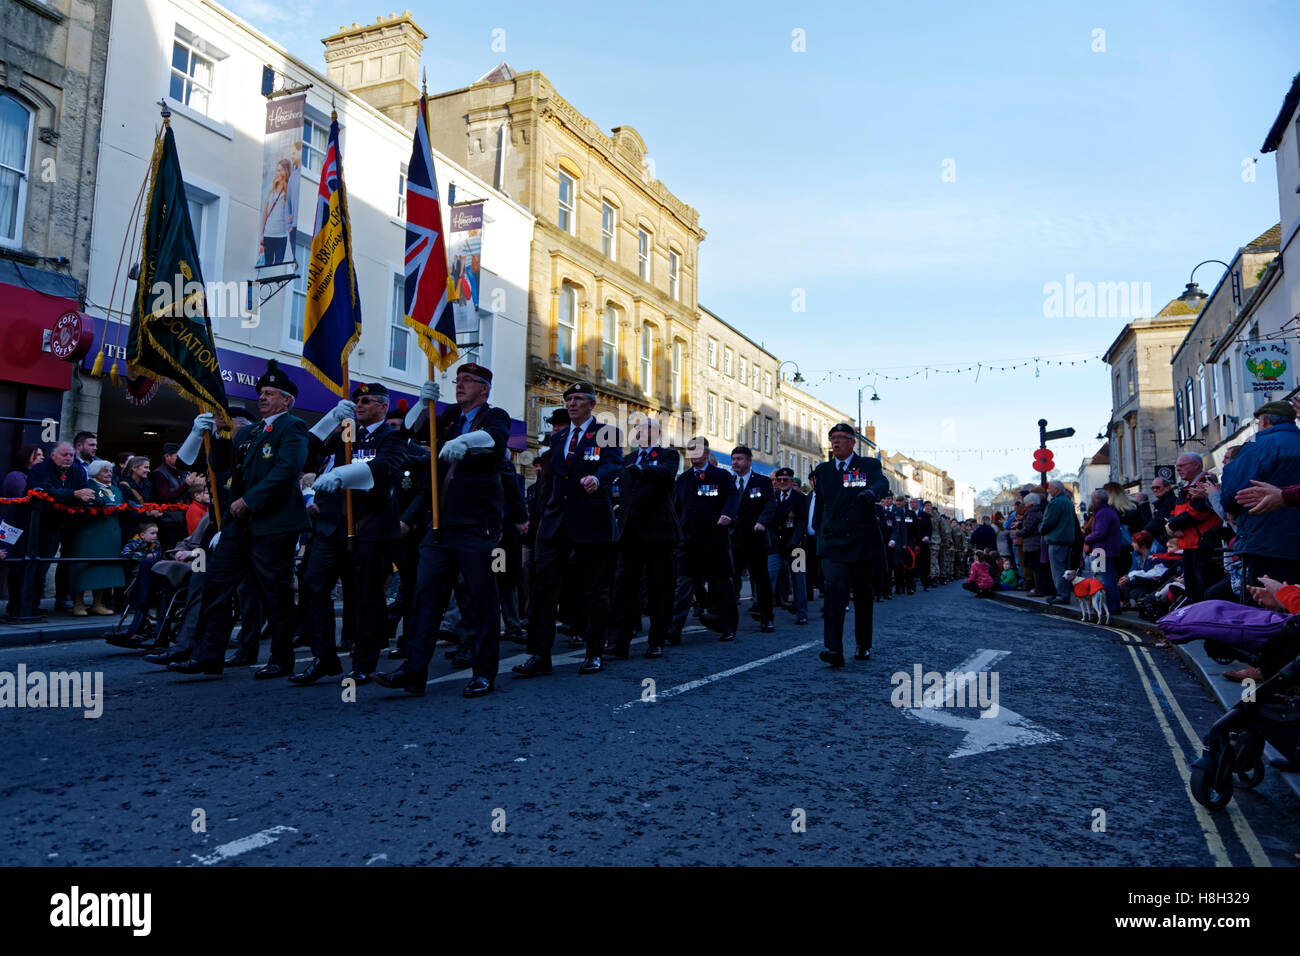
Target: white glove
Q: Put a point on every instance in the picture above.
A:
(356, 476)
(455, 449)
(189, 450)
(332, 419)
(212, 545)
(429, 391)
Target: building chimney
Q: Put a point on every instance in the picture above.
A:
(379, 62)
(869, 431)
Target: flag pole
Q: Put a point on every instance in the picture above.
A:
(212, 476)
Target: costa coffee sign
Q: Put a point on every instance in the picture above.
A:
(71, 336)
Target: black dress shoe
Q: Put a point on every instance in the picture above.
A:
(164, 658)
(577, 641)
(654, 652)
(862, 654)
(801, 619)
(132, 642)
(830, 657)
(478, 687)
(359, 677)
(404, 680)
(537, 664)
(315, 671)
(271, 671)
(240, 660)
(767, 627)
(618, 653)
(192, 666)
(398, 654)
(727, 636)
(591, 665)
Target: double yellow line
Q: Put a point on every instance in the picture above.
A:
(1210, 828)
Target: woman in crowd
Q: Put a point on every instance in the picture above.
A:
(97, 537)
(1004, 536)
(1103, 545)
(137, 490)
(15, 486)
(1130, 519)
(1030, 538)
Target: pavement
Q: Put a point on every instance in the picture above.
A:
(1209, 672)
(752, 752)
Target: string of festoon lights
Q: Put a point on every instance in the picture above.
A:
(979, 368)
(920, 453)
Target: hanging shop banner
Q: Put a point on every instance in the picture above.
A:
(1268, 366)
(466, 255)
(281, 165)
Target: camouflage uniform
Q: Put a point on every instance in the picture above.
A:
(943, 530)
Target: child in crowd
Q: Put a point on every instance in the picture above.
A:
(144, 550)
(1009, 580)
(980, 582)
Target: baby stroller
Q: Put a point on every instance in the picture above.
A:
(1233, 755)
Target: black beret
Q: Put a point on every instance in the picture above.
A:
(781, 472)
(580, 388)
(743, 450)
(373, 389)
(276, 377)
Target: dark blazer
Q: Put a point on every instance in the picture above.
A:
(645, 497)
(699, 505)
(409, 487)
(267, 466)
(924, 525)
(896, 527)
(845, 515)
(786, 522)
(57, 482)
(471, 495)
(374, 511)
(753, 502)
(585, 518)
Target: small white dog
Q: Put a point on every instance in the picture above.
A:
(1095, 595)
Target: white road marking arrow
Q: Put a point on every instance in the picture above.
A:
(983, 734)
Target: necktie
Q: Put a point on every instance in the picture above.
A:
(573, 444)
(643, 457)
(843, 466)
(784, 496)
(461, 423)
(740, 483)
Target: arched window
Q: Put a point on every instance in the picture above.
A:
(609, 344)
(15, 150)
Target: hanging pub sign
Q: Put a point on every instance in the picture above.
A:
(1268, 366)
(281, 165)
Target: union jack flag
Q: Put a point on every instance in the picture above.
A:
(429, 292)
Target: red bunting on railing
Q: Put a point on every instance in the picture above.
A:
(90, 509)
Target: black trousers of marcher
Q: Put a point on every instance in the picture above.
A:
(251, 617)
(269, 560)
(902, 576)
(406, 555)
(653, 562)
(760, 585)
(445, 556)
(841, 578)
(362, 571)
(589, 568)
(709, 566)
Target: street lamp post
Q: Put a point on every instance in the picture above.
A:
(875, 397)
(1193, 295)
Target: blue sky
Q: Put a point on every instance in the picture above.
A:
(823, 170)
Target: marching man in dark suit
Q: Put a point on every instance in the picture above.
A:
(472, 437)
(378, 459)
(648, 536)
(749, 534)
(706, 500)
(847, 541)
(260, 530)
(786, 518)
(577, 518)
(898, 528)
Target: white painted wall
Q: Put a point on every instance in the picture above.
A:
(222, 155)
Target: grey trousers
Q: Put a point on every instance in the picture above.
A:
(1058, 558)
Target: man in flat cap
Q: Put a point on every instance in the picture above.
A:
(472, 439)
(1271, 541)
(577, 520)
(371, 476)
(848, 543)
(260, 529)
(749, 535)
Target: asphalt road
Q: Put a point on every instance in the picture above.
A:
(783, 761)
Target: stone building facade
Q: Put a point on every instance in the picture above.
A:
(52, 60)
(613, 280)
(1141, 428)
(805, 423)
(736, 388)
